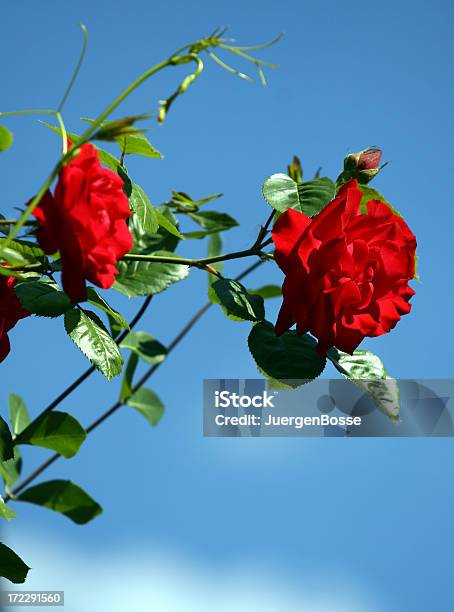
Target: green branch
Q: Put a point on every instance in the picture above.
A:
(255, 250)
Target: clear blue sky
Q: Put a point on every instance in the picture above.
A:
(324, 521)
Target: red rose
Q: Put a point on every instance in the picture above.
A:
(86, 221)
(10, 312)
(346, 273)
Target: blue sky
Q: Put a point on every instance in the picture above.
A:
(366, 520)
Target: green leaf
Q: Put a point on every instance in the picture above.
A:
(237, 302)
(148, 278)
(88, 333)
(162, 240)
(58, 431)
(107, 159)
(182, 199)
(65, 497)
(6, 441)
(367, 371)
(22, 252)
(20, 275)
(6, 138)
(97, 300)
(314, 195)
(6, 271)
(167, 224)
(215, 249)
(6, 511)
(144, 218)
(10, 470)
(137, 144)
(127, 183)
(148, 404)
(18, 413)
(30, 251)
(43, 297)
(126, 385)
(11, 565)
(115, 129)
(207, 199)
(290, 358)
(282, 192)
(12, 258)
(131, 140)
(362, 364)
(145, 346)
(212, 222)
(267, 291)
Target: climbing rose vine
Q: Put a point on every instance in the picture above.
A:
(347, 257)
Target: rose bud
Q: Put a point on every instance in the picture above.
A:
(362, 166)
(369, 159)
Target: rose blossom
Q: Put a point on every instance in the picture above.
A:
(86, 221)
(346, 273)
